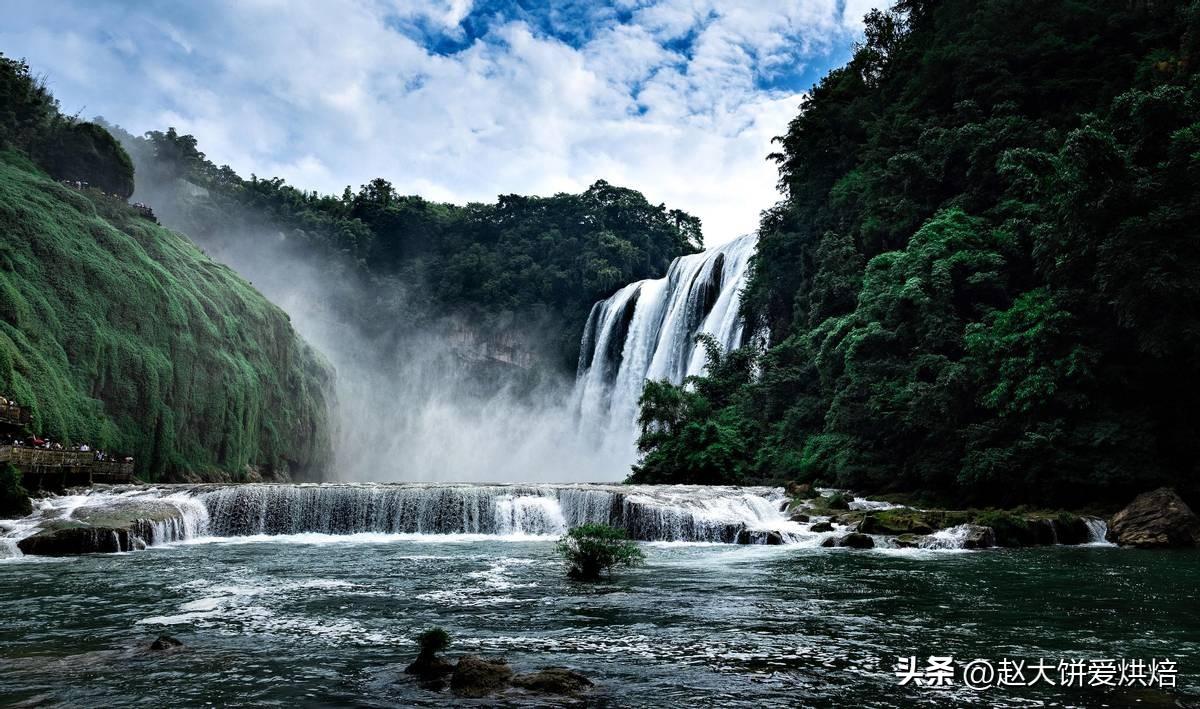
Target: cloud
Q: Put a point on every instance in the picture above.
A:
(458, 100)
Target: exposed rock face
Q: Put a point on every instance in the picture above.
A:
(72, 541)
(553, 680)
(979, 537)
(123, 525)
(802, 490)
(1072, 530)
(821, 527)
(895, 522)
(476, 677)
(747, 536)
(857, 541)
(1156, 519)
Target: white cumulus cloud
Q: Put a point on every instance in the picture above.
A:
(677, 98)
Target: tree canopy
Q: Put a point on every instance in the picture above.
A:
(63, 146)
(983, 280)
(547, 259)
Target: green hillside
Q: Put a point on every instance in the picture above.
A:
(981, 284)
(122, 334)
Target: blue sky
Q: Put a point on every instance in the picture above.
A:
(457, 100)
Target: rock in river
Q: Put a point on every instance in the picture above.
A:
(1159, 518)
(978, 537)
(476, 677)
(854, 540)
(553, 680)
(118, 525)
(165, 643)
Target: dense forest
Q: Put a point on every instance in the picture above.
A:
(118, 333)
(982, 283)
(531, 263)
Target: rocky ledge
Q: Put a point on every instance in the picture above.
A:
(123, 525)
(901, 527)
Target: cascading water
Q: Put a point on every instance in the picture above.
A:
(1097, 531)
(136, 517)
(670, 513)
(647, 330)
(122, 521)
(150, 516)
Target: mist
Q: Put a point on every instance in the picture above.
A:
(421, 395)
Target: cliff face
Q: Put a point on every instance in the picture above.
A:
(117, 332)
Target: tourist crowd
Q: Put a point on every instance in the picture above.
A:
(47, 444)
(141, 207)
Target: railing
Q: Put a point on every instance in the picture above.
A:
(39, 461)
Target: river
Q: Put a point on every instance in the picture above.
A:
(313, 619)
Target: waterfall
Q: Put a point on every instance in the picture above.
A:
(136, 517)
(647, 330)
(141, 517)
(667, 513)
(1097, 530)
(133, 518)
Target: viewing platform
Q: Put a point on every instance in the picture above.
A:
(54, 468)
(41, 468)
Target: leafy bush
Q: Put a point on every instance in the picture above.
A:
(433, 640)
(593, 549)
(14, 500)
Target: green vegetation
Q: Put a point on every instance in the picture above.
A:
(533, 262)
(119, 333)
(66, 148)
(595, 549)
(983, 283)
(14, 499)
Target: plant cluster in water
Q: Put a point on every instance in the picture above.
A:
(595, 549)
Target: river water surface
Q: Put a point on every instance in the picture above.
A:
(317, 620)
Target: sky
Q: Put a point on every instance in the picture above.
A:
(457, 100)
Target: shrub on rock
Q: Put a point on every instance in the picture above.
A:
(428, 664)
(595, 549)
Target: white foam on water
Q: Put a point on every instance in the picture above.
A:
(862, 503)
(949, 539)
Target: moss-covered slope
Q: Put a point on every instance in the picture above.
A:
(122, 334)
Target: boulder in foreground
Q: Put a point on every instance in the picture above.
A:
(476, 677)
(1156, 519)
